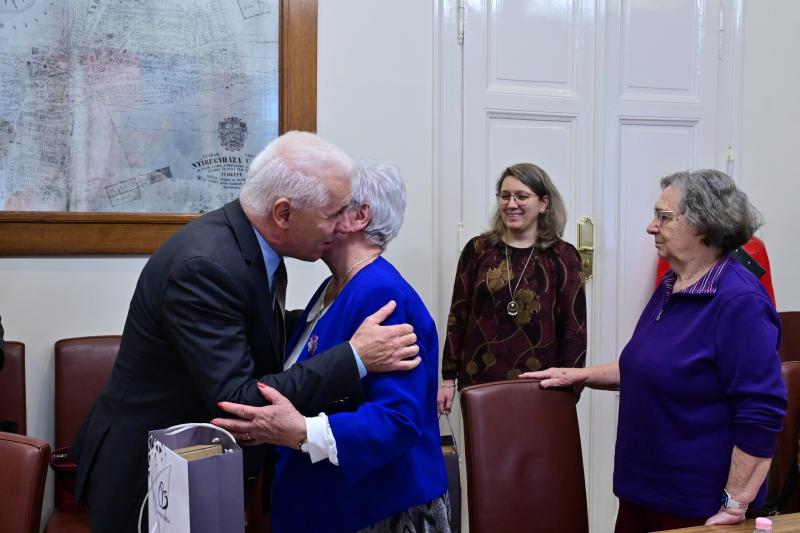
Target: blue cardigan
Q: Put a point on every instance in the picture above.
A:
(389, 451)
(700, 374)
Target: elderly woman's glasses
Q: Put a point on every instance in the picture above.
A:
(663, 216)
(521, 198)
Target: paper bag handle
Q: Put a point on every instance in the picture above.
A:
(179, 428)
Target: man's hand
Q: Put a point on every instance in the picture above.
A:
(386, 348)
(279, 423)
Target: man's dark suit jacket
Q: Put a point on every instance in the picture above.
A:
(200, 330)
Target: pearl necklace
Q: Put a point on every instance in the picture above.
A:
(346, 278)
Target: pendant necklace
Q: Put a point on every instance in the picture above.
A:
(512, 308)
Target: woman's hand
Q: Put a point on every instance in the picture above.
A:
(444, 398)
(725, 516)
(276, 423)
(559, 377)
(603, 377)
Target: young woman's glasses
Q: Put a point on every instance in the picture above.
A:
(521, 198)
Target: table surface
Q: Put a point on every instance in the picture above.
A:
(780, 524)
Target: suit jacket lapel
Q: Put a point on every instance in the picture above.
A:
(263, 328)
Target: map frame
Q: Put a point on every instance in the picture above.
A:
(87, 233)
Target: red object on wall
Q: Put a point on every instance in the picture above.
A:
(755, 247)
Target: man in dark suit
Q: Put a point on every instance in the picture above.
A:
(205, 325)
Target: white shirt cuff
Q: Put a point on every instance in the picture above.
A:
(321, 443)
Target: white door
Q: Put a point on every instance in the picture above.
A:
(607, 96)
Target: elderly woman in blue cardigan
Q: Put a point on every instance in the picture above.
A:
(378, 466)
(701, 394)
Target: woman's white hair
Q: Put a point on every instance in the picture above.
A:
(296, 166)
(380, 185)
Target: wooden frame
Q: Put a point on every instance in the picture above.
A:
(53, 233)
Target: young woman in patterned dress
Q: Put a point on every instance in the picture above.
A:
(518, 301)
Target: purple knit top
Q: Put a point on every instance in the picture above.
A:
(700, 374)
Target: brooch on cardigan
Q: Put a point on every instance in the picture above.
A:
(312, 345)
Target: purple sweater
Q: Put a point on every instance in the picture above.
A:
(700, 374)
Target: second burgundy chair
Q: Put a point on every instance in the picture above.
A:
(523, 458)
(83, 366)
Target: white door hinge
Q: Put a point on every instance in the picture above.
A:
(461, 9)
(721, 33)
(460, 239)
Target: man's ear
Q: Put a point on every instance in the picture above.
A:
(281, 212)
(362, 217)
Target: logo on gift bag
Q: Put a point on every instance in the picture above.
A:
(163, 498)
(159, 476)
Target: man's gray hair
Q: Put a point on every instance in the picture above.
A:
(296, 165)
(380, 185)
(715, 207)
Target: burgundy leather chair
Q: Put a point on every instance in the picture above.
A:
(23, 469)
(523, 458)
(12, 386)
(786, 451)
(83, 366)
(790, 336)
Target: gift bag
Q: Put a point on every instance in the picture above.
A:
(194, 480)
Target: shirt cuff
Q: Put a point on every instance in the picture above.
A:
(321, 443)
(362, 370)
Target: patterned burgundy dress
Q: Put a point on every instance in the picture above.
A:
(484, 342)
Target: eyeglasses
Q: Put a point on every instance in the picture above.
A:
(521, 198)
(663, 216)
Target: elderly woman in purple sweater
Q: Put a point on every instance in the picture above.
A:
(701, 394)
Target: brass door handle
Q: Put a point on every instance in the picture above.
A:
(586, 247)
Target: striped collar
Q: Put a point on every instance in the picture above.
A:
(705, 285)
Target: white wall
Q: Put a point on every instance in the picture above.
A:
(375, 100)
(771, 135)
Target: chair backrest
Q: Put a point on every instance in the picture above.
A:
(523, 458)
(23, 469)
(12, 386)
(790, 336)
(786, 450)
(83, 366)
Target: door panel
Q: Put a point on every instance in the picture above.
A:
(514, 138)
(518, 32)
(662, 43)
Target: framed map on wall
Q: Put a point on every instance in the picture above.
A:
(110, 108)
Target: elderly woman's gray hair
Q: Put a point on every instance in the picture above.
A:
(714, 207)
(380, 186)
(296, 165)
